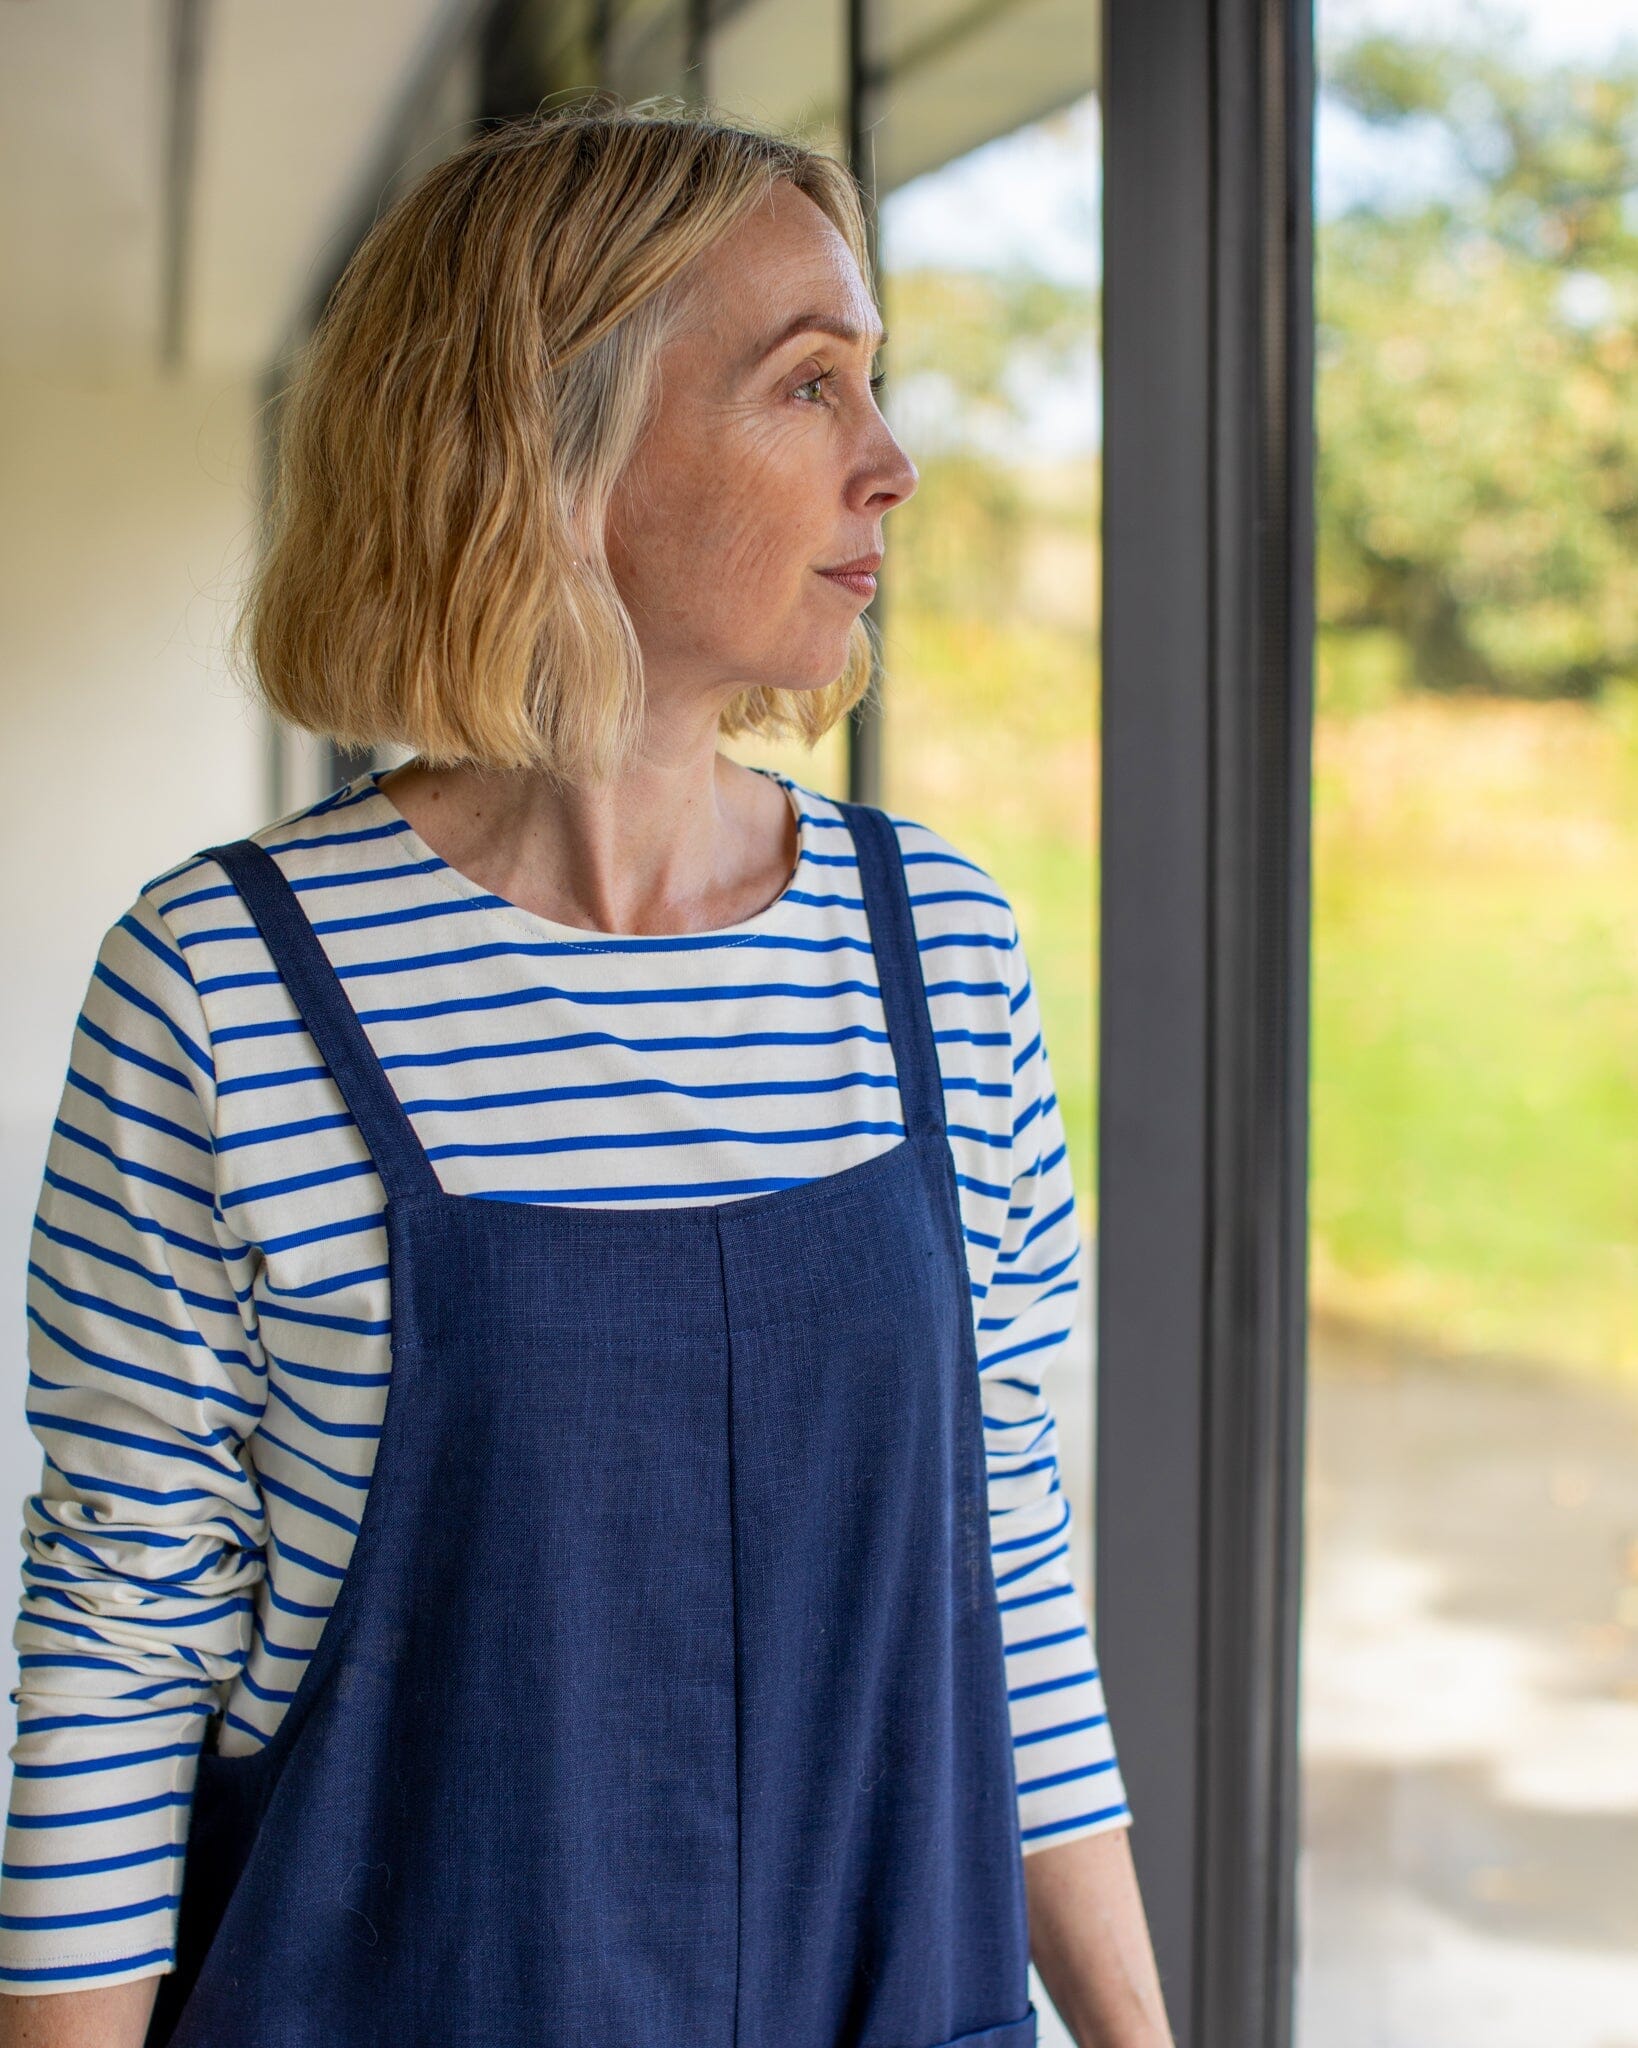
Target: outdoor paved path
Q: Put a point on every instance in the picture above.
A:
(1469, 1875)
(1469, 1706)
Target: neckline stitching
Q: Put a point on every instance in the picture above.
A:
(408, 847)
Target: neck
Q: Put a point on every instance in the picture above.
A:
(690, 844)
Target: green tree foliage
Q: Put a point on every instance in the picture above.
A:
(1478, 410)
(965, 344)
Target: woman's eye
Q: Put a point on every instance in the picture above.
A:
(828, 377)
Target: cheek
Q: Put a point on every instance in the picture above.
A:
(779, 515)
(748, 535)
(741, 511)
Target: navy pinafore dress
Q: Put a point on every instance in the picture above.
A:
(663, 1702)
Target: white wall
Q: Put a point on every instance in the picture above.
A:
(125, 517)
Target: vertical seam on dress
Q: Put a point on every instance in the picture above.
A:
(733, 1580)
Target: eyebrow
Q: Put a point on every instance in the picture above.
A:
(816, 323)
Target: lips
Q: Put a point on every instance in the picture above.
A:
(860, 581)
(858, 576)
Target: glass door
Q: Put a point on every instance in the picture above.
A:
(1469, 1721)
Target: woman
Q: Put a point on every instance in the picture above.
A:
(514, 1527)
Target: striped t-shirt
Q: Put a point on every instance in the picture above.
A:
(209, 1317)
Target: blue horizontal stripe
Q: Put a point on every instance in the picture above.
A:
(1064, 1635)
(147, 1226)
(1044, 1829)
(159, 950)
(1039, 1536)
(138, 1001)
(621, 1141)
(81, 1767)
(161, 1070)
(85, 1816)
(1059, 1729)
(55, 1973)
(164, 1282)
(91, 1866)
(1041, 1685)
(1070, 1777)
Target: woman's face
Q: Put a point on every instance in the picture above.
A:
(768, 462)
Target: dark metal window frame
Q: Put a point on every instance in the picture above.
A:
(1202, 1253)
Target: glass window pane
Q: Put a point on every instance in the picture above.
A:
(782, 65)
(1469, 1715)
(645, 50)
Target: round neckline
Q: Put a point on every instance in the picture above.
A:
(409, 847)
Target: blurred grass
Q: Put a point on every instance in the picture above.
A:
(991, 739)
(1474, 1101)
(1475, 1090)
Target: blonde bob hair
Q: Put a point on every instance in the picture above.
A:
(433, 570)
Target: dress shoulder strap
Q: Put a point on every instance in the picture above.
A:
(898, 966)
(331, 1021)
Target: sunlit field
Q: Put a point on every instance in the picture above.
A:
(1476, 1031)
(1475, 952)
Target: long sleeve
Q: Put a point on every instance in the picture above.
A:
(1069, 1780)
(145, 1540)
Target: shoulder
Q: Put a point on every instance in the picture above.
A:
(966, 930)
(950, 888)
(964, 921)
(187, 901)
(149, 961)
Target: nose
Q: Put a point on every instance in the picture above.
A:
(896, 475)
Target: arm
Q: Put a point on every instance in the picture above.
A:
(1090, 1942)
(1088, 1935)
(114, 2016)
(144, 1541)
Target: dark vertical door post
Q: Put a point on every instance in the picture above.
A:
(1202, 1254)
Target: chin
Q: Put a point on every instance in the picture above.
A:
(800, 684)
(821, 660)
